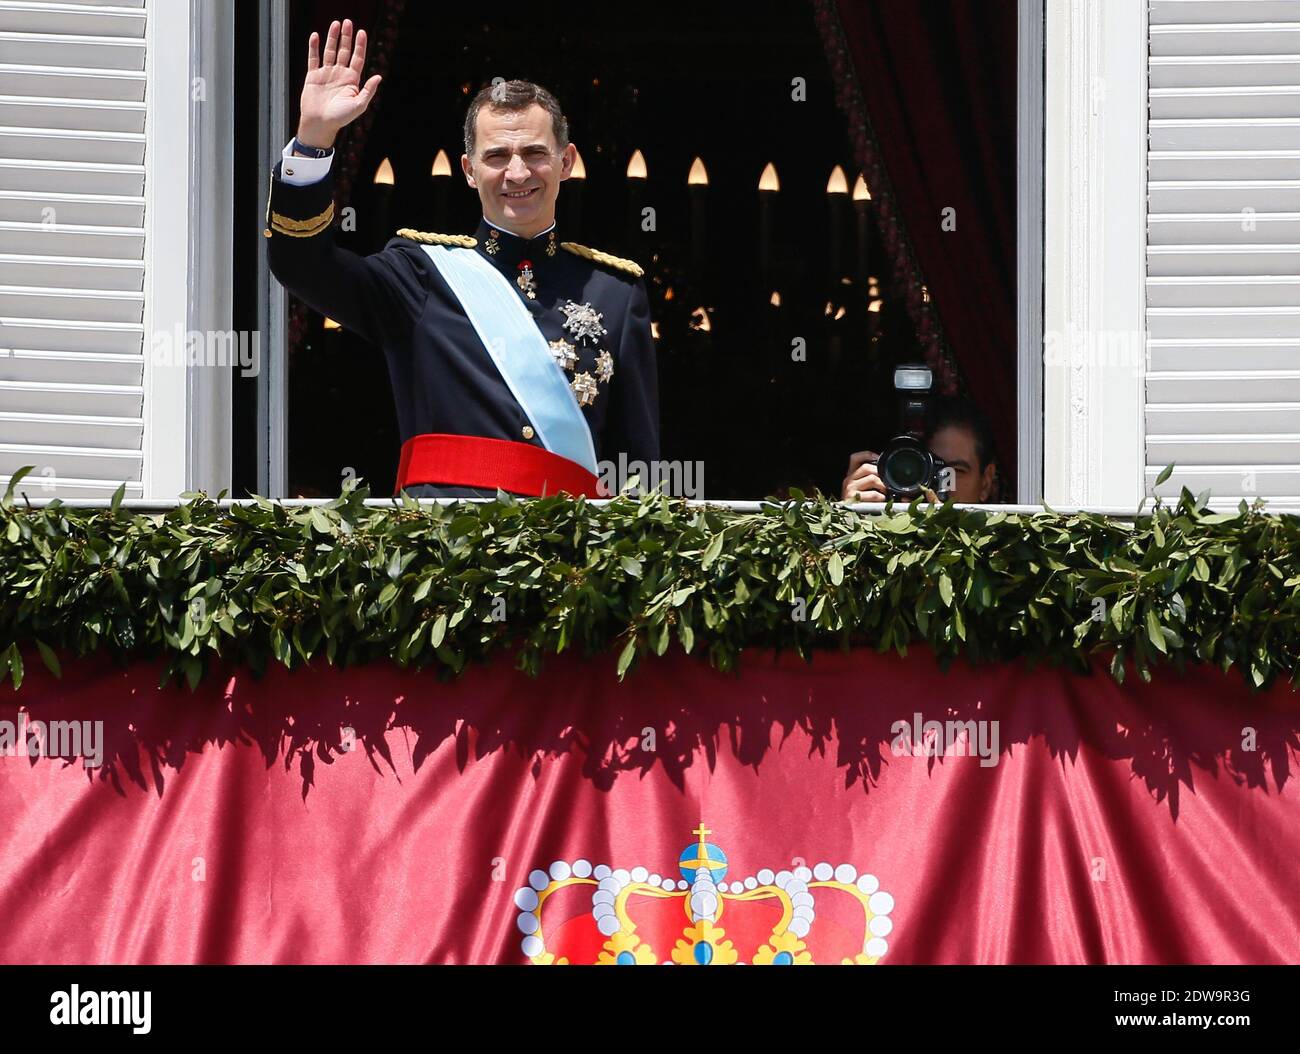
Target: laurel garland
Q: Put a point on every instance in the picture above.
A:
(444, 586)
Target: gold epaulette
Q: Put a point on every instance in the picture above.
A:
(465, 241)
(609, 260)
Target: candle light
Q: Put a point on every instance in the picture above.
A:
(573, 197)
(862, 206)
(768, 188)
(837, 201)
(636, 177)
(383, 192)
(441, 176)
(697, 184)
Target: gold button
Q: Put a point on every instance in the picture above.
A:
(528, 432)
(288, 172)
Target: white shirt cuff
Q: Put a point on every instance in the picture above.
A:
(299, 171)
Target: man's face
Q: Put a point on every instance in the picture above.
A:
(956, 445)
(517, 168)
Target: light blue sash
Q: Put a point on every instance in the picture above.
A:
(519, 351)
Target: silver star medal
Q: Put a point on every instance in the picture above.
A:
(565, 353)
(583, 321)
(584, 388)
(604, 367)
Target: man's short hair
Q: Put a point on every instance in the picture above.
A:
(512, 97)
(951, 411)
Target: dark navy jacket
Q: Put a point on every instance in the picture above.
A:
(442, 377)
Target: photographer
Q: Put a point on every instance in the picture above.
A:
(958, 434)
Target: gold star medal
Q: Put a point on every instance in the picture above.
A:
(584, 389)
(565, 353)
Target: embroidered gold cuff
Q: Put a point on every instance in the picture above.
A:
(302, 228)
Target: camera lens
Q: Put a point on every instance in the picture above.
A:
(906, 469)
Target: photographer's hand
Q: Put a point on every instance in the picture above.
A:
(861, 482)
(332, 96)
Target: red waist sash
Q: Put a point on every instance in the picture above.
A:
(472, 461)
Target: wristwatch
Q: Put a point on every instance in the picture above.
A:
(300, 148)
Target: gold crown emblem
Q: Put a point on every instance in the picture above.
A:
(580, 912)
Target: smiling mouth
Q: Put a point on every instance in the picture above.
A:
(519, 195)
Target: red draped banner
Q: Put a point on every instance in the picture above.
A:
(790, 813)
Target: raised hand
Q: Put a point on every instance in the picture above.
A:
(332, 95)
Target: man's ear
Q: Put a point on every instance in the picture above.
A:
(468, 169)
(988, 481)
(568, 158)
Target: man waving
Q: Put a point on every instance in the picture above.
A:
(518, 361)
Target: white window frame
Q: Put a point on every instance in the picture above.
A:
(1095, 247)
(1030, 117)
(1080, 427)
(189, 218)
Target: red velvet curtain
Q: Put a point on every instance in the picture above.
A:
(938, 78)
(1087, 822)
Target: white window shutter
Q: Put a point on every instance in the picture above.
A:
(1223, 249)
(72, 245)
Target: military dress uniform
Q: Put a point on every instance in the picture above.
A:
(591, 308)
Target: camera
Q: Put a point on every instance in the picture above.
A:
(906, 466)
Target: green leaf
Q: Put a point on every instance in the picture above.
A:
(836, 567)
(1154, 632)
(16, 666)
(659, 638)
(439, 630)
(626, 656)
(49, 658)
(8, 500)
(713, 551)
(686, 635)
